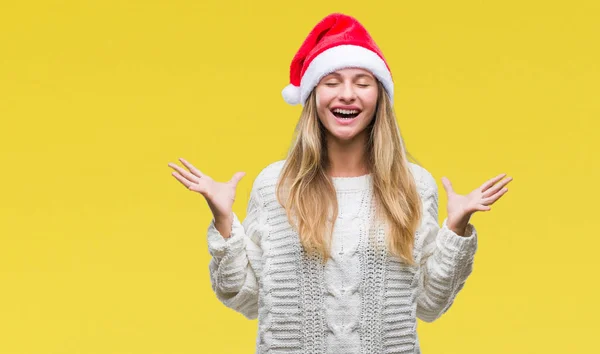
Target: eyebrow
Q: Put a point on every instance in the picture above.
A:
(357, 76)
(364, 75)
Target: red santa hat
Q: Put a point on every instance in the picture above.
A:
(338, 41)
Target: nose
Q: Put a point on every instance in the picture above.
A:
(346, 92)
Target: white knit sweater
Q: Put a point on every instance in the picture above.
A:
(363, 300)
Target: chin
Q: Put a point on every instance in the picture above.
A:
(343, 136)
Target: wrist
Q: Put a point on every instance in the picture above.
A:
(224, 225)
(221, 218)
(459, 229)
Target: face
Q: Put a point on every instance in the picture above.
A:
(346, 102)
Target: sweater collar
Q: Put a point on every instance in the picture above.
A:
(352, 183)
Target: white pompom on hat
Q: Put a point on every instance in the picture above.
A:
(291, 94)
(338, 41)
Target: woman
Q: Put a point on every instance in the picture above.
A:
(340, 250)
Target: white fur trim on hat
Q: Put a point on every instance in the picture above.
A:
(291, 94)
(344, 56)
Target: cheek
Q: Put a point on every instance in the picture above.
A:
(370, 99)
(320, 102)
(323, 99)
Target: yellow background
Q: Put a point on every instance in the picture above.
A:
(103, 251)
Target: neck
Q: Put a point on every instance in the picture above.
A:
(347, 158)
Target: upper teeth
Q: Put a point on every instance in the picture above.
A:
(346, 111)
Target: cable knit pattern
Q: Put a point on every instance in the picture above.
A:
(363, 300)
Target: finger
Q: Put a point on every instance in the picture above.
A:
(184, 173)
(493, 198)
(447, 185)
(236, 178)
(484, 207)
(183, 180)
(197, 187)
(497, 187)
(191, 167)
(491, 182)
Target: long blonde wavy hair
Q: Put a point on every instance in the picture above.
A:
(308, 195)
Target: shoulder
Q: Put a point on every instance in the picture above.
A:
(423, 179)
(269, 175)
(271, 171)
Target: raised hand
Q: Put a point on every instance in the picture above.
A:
(461, 207)
(219, 196)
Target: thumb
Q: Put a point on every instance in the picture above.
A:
(447, 185)
(236, 178)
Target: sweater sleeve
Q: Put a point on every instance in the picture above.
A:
(235, 265)
(446, 260)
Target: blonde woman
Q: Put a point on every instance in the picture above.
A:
(340, 250)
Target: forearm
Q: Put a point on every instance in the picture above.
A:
(233, 266)
(444, 272)
(229, 263)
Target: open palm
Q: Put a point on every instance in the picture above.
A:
(461, 207)
(219, 196)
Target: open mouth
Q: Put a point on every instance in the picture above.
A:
(345, 113)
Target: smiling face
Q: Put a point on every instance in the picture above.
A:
(346, 103)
